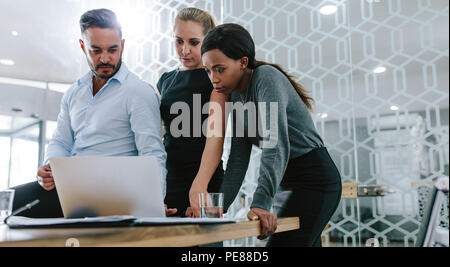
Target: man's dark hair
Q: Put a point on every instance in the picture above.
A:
(102, 18)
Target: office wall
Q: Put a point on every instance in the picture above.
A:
(335, 57)
(387, 128)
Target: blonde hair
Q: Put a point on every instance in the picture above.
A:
(197, 15)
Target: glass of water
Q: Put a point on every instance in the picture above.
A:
(211, 205)
(6, 203)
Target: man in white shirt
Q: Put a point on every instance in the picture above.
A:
(108, 112)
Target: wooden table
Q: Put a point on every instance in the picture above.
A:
(153, 236)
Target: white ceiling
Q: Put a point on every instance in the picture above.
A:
(46, 47)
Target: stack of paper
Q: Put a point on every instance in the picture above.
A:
(24, 222)
(177, 220)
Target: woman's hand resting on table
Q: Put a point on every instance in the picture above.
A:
(267, 220)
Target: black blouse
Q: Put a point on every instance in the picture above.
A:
(193, 88)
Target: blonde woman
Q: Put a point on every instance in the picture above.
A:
(193, 161)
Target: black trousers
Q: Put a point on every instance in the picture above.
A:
(311, 190)
(48, 207)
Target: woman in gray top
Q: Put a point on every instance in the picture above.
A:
(297, 175)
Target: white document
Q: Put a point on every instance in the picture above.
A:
(178, 220)
(18, 221)
(24, 222)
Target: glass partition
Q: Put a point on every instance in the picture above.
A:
(19, 150)
(24, 155)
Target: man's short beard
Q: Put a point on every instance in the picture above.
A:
(107, 77)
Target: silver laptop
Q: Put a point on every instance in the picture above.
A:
(109, 186)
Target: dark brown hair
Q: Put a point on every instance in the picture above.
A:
(102, 18)
(236, 42)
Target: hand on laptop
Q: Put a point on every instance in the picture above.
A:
(168, 211)
(45, 177)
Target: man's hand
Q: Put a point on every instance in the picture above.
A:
(267, 220)
(169, 212)
(45, 177)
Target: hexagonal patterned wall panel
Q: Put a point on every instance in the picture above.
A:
(378, 71)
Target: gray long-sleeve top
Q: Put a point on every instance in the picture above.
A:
(292, 134)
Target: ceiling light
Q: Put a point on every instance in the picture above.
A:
(324, 116)
(6, 62)
(379, 70)
(328, 10)
(14, 33)
(394, 108)
(131, 20)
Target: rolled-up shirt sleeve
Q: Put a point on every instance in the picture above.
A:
(145, 119)
(61, 144)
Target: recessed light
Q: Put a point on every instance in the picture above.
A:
(324, 116)
(394, 108)
(328, 10)
(6, 62)
(379, 70)
(14, 33)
